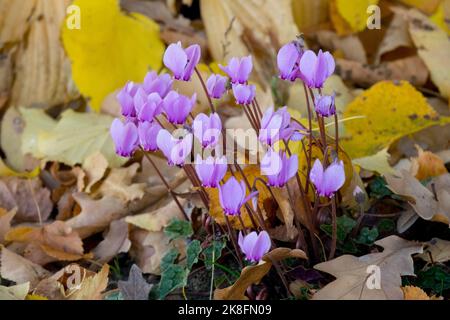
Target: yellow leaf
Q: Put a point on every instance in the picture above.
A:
(35, 297)
(354, 12)
(6, 171)
(391, 110)
(92, 287)
(427, 165)
(414, 293)
(439, 18)
(377, 162)
(428, 6)
(110, 48)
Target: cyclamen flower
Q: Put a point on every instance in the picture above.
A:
(211, 171)
(148, 133)
(161, 84)
(314, 69)
(216, 85)
(147, 106)
(207, 129)
(278, 168)
(243, 93)
(125, 137)
(175, 150)
(327, 181)
(177, 106)
(254, 245)
(232, 196)
(182, 61)
(288, 60)
(276, 125)
(238, 69)
(325, 105)
(125, 98)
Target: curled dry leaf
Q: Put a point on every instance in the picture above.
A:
(355, 275)
(436, 250)
(31, 199)
(254, 274)
(115, 241)
(20, 270)
(95, 167)
(414, 293)
(427, 165)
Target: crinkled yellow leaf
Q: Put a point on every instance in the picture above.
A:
(391, 110)
(110, 48)
(354, 12)
(433, 48)
(70, 140)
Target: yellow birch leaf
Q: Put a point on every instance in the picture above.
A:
(390, 111)
(428, 6)
(110, 48)
(439, 19)
(355, 12)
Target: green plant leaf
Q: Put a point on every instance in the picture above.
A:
(367, 236)
(213, 252)
(178, 229)
(192, 252)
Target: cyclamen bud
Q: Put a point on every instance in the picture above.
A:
(325, 105)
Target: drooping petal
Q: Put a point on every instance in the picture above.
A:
(193, 53)
(286, 60)
(307, 67)
(165, 143)
(330, 63)
(316, 175)
(334, 178)
(261, 246)
(175, 59)
(245, 68)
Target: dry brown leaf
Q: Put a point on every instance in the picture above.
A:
(308, 13)
(5, 222)
(414, 293)
(436, 250)
(115, 241)
(287, 211)
(14, 20)
(95, 167)
(427, 165)
(93, 287)
(42, 77)
(253, 274)
(351, 46)
(20, 270)
(354, 274)
(29, 196)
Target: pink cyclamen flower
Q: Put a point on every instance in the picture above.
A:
(125, 137)
(243, 93)
(147, 106)
(125, 98)
(175, 150)
(211, 171)
(148, 132)
(161, 84)
(288, 60)
(314, 69)
(207, 129)
(216, 86)
(182, 61)
(274, 125)
(177, 106)
(279, 168)
(254, 245)
(238, 69)
(232, 196)
(327, 181)
(325, 105)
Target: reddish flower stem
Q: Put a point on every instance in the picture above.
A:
(211, 105)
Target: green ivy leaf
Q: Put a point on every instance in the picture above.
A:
(213, 252)
(367, 236)
(173, 277)
(345, 225)
(169, 259)
(178, 229)
(193, 251)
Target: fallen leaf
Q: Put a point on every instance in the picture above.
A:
(14, 20)
(5, 222)
(20, 270)
(436, 250)
(135, 288)
(93, 287)
(98, 70)
(378, 162)
(354, 13)
(427, 165)
(351, 46)
(17, 292)
(253, 274)
(407, 109)
(414, 293)
(70, 140)
(95, 167)
(354, 274)
(115, 241)
(309, 14)
(287, 211)
(31, 199)
(427, 7)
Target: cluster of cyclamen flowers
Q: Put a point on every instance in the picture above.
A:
(144, 105)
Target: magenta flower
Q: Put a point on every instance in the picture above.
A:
(207, 129)
(324, 105)
(232, 196)
(254, 245)
(161, 84)
(175, 150)
(243, 93)
(314, 69)
(177, 106)
(211, 171)
(327, 181)
(274, 125)
(182, 61)
(239, 69)
(147, 106)
(148, 132)
(288, 60)
(216, 85)
(125, 137)
(125, 98)
(278, 168)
